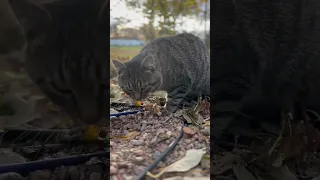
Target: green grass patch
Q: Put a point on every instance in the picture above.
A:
(123, 54)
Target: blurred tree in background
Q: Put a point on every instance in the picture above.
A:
(145, 20)
(168, 11)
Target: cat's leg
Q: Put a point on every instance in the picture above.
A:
(190, 100)
(176, 96)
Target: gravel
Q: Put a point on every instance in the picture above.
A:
(131, 153)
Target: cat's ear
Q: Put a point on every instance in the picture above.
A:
(148, 63)
(104, 12)
(32, 15)
(118, 65)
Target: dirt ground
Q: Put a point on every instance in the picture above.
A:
(138, 139)
(268, 151)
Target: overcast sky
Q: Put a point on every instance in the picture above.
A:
(119, 9)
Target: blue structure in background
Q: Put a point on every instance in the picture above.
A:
(126, 42)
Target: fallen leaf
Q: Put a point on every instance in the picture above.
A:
(149, 107)
(192, 117)
(154, 108)
(187, 118)
(178, 113)
(190, 160)
(129, 136)
(207, 123)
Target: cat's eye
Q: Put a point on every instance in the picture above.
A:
(143, 88)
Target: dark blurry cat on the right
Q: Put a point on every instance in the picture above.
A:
(265, 58)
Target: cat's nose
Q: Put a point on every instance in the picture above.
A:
(137, 96)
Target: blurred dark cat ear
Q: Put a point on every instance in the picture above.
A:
(104, 11)
(118, 65)
(12, 37)
(31, 15)
(148, 63)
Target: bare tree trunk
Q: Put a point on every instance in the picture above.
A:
(205, 20)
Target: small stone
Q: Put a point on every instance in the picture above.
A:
(162, 164)
(126, 132)
(143, 127)
(130, 165)
(138, 159)
(190, 146)
(189, 131)
(122, 165)
(160, 131)
(195, 136)
(113, 170)
(169, 133)
(181, 153)
(182, 148)
(157, 154)
(139, 152)
(205, 131)
(187, 141)
(176, 154)
(112, 144)
(139, 169)
(137, 142)
(202, 145)
(114, 177)
(128, 177)
(197, 146)
(154, 140)
(145, 135)
(113, 157)
(122, 171)
(136, 127)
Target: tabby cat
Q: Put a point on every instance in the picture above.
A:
(177, 64)
(67, 53)
(266, 59)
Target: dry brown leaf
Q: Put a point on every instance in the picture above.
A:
(154, 108)
(190, 160)
(129, 136)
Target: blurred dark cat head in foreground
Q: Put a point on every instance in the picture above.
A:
(140, 76)
(67, 52)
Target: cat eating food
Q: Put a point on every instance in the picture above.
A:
(177, 64)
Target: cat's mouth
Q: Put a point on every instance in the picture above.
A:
(138, 97)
